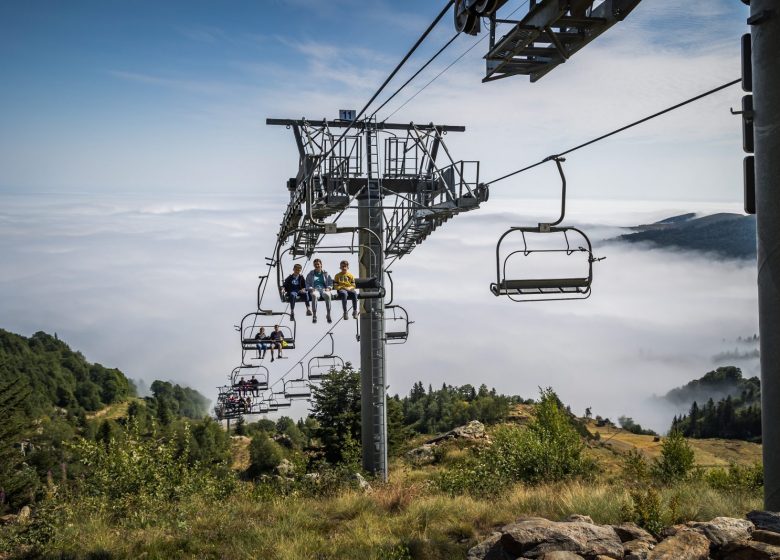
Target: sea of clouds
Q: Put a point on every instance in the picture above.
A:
(154, 286)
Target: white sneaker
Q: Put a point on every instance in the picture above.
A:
(346, 315)
(355, 314)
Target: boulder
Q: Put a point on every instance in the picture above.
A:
(632, 532)
(285, 468)
(473, 430)
(489, 549)
(684, 545)
(766, 520)
(533, 537)
(423, 455)
(638, 549)
(723, 530)
(749, 550)
(578, 517)
(767, 537)
(362, 483)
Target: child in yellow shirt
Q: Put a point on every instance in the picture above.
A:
(344, 285)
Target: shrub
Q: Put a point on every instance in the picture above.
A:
(548, 450)
(676, 461)
(645, 510)
(635, 466)
(264, 454)
(737, 478)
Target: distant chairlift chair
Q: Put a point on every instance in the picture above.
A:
(320, 366)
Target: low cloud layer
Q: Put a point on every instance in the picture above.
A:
(154, 287)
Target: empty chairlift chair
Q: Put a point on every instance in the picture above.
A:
(297, 388)
(320, 366)
(546, 262)
(396, 324)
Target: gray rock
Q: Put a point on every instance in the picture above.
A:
(285, 468)
(578, 517)
(684, 545)
(767, 537)
(489, 549)
(423, 455)
(632, 532)
(560, 555)
(362, 482)
(766, 520)
(473, 430)
(532, 537)
(749, 550)
(723, 530)
(638, 549)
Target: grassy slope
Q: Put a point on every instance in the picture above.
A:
(709, 452)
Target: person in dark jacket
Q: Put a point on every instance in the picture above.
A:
(295, 289)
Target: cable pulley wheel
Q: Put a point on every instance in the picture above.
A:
(466, 20)
(485, 7)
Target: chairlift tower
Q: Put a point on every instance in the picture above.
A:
(403, 188)
(765, 33)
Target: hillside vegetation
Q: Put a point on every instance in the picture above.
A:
(140, 479)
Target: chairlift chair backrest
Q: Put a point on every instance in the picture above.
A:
(320, 366)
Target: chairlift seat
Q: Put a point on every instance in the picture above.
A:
(251, 343)
(399, 335)
(541, 286)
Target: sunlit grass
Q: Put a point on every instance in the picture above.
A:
(401, 519)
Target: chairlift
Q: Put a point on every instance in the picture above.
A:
(562, 279)
(297, 388)
(255, 379)
(367, 288)
(320, 366)
(276, 404)
(250, 328)
(396, 324)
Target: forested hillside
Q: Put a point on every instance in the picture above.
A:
(57, 376)
(731, 406)
(727, 235)
(54, 404)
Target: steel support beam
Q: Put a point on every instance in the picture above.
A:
(765, 30)
(360, 125)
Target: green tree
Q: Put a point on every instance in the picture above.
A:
(264, 454)
(17, 480)
(676, 460)
(336, 407)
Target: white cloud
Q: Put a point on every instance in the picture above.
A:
(154, 285)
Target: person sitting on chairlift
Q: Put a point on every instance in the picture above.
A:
(320, 284)
(295, 288)
(277, 340)
(254, 384)
(241, 386)
(344, 284)
(262, 344)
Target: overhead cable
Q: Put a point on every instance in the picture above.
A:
(450, 65)
(621, 129)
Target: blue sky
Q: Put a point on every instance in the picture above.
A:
(172, 96)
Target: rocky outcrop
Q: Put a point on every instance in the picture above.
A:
(473, 430)
(425, 454)
(722, 538)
